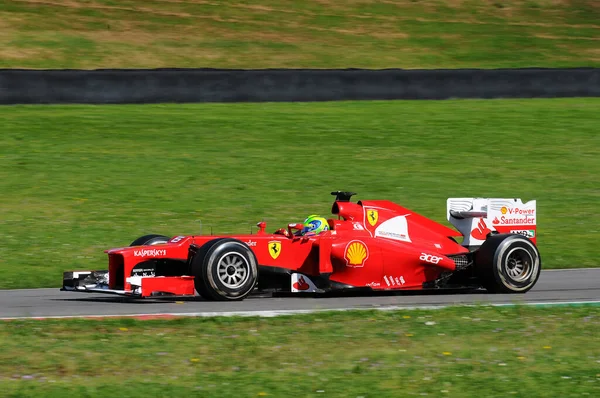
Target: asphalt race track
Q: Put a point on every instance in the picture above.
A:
(553, 287)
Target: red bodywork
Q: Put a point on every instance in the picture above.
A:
(376, 244)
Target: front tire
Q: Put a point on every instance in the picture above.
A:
(150, 240)
(225, 269)
(508, 263)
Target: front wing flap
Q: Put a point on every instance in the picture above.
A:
(89, 281)
(141, 286)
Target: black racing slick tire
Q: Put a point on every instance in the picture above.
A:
(508, 263)
(224, 269)
(150, 240)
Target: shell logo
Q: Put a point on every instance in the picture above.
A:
(503, 210)
(356, 254)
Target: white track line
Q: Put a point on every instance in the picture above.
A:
(274, 313)
(571, 269)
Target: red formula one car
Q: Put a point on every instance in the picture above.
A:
(373, 244)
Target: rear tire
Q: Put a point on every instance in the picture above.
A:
(508, 263)
(150, 240)
(224, 269)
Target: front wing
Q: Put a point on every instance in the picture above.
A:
(141, 286)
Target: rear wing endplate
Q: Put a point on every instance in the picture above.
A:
(475, 218)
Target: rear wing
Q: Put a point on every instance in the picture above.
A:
(475, 218)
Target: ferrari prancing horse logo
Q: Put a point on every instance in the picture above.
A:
(372, 216)
(274, 248)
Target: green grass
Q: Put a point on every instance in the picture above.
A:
(76, 180)
(454, 352)
(299, 34)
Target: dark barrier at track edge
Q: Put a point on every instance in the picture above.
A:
(116, 86)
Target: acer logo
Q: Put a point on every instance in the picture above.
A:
(430, 258)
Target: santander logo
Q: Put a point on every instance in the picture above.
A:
(481, 230)
(301, 284)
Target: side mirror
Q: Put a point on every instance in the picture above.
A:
(261, 227)
(295, 227)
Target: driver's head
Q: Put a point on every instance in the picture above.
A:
(314, 225)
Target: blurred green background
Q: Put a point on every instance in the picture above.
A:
(76, 180)
(299, 34)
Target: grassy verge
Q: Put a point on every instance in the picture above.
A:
(299, 34)
(466, 352)
(75, 180)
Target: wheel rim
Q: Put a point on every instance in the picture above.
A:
(233, 270)
(519, 265)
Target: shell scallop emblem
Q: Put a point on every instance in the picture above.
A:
(356, 254)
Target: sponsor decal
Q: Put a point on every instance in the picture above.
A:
(301, 284)
(394, 281)
(274, 248)
(529, 233)
(394, 228)
(357, 227)
(150, 253)
(520, 212)
(430, 258)
(251, 243)
(373, 284)
(177, 239)
(504, 220)
(481, 230)
(143, 272)
(356, 254)
(372, 216)
(393, 235)
(514, 216)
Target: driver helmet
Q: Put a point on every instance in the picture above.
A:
(314, 225)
